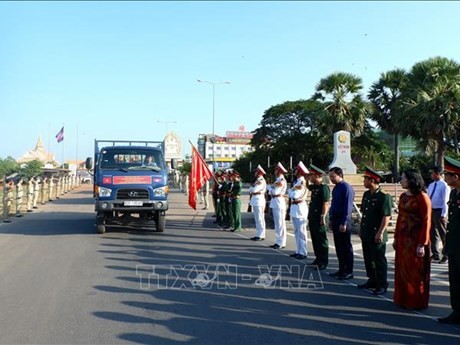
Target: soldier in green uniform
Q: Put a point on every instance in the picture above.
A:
(376, 214)
(229, 219)
(221, 211)
(318, 207)
(452, 177)
(236, 201)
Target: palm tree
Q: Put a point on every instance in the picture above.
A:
(384, 96)
(432, 103)
(343, 105)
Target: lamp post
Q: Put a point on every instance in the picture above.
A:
(166, 123)
(213, 111)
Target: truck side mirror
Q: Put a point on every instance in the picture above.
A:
(174, 163)
(89, 163)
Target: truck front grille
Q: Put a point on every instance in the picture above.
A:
(133, 194)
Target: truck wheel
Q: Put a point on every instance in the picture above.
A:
(100, 228)
(160, 223)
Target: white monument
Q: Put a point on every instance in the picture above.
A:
(342, 153)
(173, 147)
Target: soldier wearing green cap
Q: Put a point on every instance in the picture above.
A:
(229, 219)
(221, 213)
(318, 208)
(452, 177)
(376, 214)
(236, 201)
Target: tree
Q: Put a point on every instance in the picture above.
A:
(369, 149)
(431, 102)
(8, 166)
(32, 168)
(185, 168)
(291, 131)
(385, 95)
(343, 106)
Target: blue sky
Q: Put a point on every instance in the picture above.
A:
(112, 70)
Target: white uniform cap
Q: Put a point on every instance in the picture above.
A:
(280, 167)
(302, 168)
(260, 169)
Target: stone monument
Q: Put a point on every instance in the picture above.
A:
(173, 147)
(342, 153)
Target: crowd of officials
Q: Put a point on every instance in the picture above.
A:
(426, 220)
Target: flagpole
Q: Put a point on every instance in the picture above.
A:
(49, 142)
(63, 144)
(76, 155)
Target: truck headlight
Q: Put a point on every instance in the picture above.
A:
(105, 192)
(161, 191)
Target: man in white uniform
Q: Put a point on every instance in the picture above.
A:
(299, 211)
(257, 202)
(277, 192)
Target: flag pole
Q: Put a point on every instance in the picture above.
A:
(63, 144)
(49, 143)
(76, 154)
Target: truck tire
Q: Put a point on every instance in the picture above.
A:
(100, 228)
(160, 223)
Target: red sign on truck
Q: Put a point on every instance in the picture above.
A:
(132, 179)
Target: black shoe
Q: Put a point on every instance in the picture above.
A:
(345, 276)
(313, 263)
(443, 260)
(379, 291)
(435, 258)
(300, 257)
(451, 320)
(335, 274)
(294, 255)
(256, 238)
(366, 285)
(321, 267)
(275, 246)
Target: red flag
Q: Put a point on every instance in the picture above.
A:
(198, 176)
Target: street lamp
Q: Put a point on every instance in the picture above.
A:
(213, 111)
(166, 123)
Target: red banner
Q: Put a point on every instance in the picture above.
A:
(199, 175)
(132, 179)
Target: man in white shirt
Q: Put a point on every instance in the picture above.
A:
(299, 211)
(277, 192)
(257, 202)
(438, 192)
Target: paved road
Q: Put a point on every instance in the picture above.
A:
(61, 283)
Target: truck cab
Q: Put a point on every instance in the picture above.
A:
(130, 184)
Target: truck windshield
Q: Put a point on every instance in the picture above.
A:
(132, 160)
